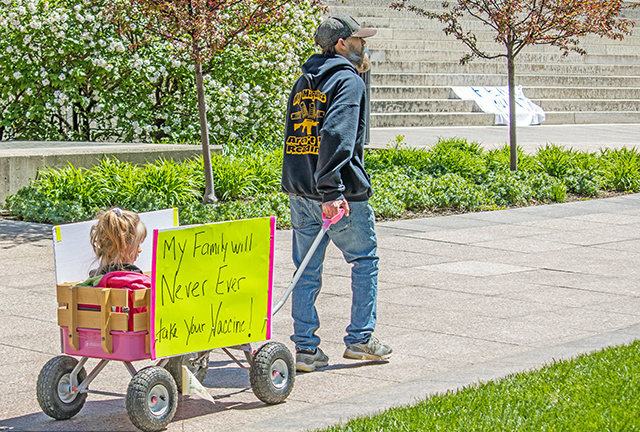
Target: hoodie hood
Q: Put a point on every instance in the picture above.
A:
(320, 66)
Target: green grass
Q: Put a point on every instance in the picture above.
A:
(594, 392)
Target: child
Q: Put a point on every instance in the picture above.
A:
(116, 239)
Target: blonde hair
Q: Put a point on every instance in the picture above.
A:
(116, 236)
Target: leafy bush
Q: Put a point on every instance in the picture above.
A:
(584, 182)
(623, 169)
(456, 156)
(248, 181)
(275, 204)
(554, 160)
(500, 159)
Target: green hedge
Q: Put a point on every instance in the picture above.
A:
(453, 174)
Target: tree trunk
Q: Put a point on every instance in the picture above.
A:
(513, 142)
(209, 193)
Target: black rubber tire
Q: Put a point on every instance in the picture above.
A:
(52, 399)
(272, 373)
(149, 382)
(198, 369)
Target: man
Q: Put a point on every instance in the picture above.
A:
(323, 172)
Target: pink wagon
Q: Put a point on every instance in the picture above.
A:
(100, 323)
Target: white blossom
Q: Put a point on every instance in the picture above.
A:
(17, 75)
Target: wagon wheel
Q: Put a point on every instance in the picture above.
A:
(272, 373)
(198, 364)
(55, 395)
(152, 399)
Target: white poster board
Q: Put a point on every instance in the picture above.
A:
(495, 100)
(74, 255)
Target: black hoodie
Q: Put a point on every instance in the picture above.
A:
(325, 133)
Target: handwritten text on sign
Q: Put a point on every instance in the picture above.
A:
(212, 286)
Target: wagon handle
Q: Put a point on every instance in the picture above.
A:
(326, 223)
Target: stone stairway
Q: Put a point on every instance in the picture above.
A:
(415, 64)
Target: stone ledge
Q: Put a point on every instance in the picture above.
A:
(21, 160)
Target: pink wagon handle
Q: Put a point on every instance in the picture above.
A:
(327, 222)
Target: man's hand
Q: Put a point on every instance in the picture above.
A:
(331, 208)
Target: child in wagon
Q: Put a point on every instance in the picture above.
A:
(116, 239)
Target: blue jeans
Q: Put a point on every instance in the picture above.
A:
(355, 237)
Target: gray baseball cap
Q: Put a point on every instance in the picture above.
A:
(339, 27)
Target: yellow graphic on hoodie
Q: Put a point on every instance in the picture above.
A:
(307, 116)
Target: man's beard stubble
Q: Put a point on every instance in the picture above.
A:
(360, 59)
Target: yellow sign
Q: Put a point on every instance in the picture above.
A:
(211, 286)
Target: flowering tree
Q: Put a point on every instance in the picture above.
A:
(67, 74)
(519, 23)
(201, 29)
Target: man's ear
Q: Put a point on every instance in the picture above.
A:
(341, 46)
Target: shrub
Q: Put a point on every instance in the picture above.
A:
(276, 204)
(554, 160)
(456, 156)
(584, 182)
(500, 159)
(248, 181)
(622, 169)
(508, 188)
(546, 187)
(454, 191)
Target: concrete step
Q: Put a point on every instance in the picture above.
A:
(487, 67)
(405, 106)
(393, 21)
(452, 55)
(433, 5)
(436, 34)
(580, 117)
(602, 93)
(484, 119)
(383, 10)
(431, 119)
(411, 92)
(589, 105)
(532, 92)
(379, 44)
(534, 80)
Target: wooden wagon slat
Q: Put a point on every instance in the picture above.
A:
(91, 295)
(141, 321)
(92, 319)
(141, 298)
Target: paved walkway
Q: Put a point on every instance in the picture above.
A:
(588, 137)
(462, 299)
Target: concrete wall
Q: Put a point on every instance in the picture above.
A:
(20, 161)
